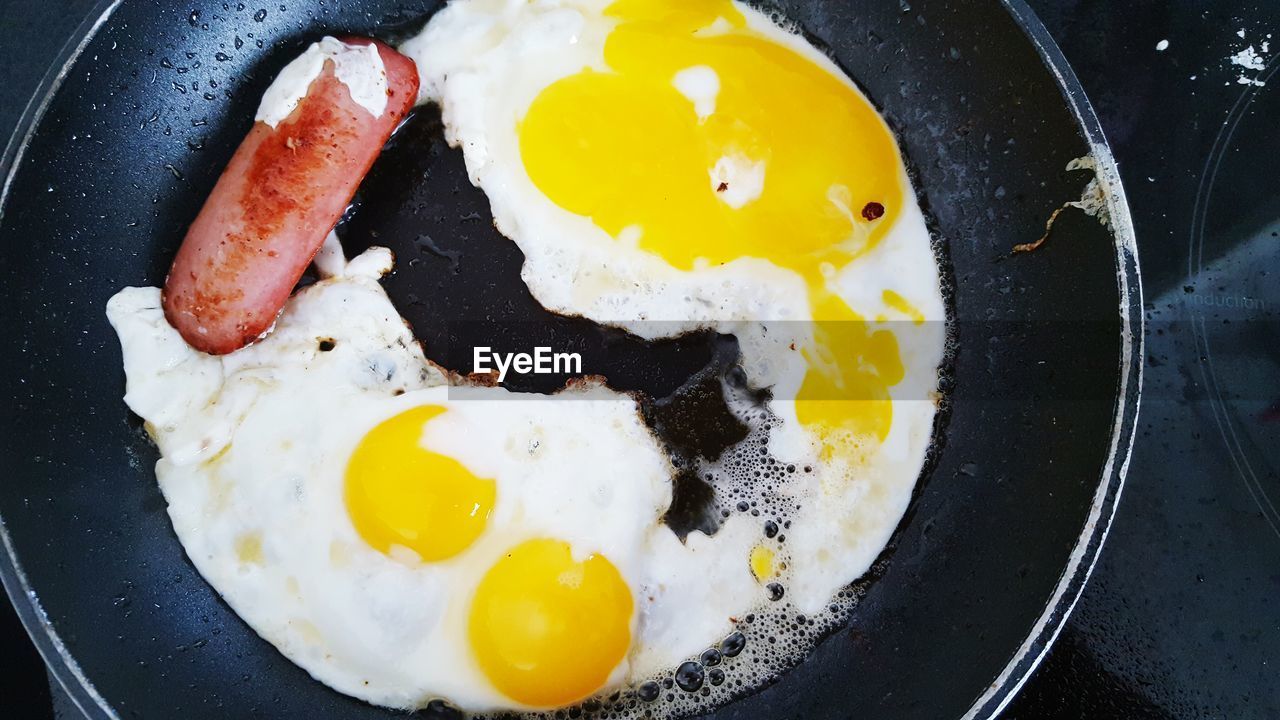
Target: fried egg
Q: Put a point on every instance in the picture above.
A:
(397, 542)
(667, 165)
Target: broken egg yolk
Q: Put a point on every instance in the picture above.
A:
(709, 141)
(399, 493)
(546, 629)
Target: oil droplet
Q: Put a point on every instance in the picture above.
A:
(689, 676)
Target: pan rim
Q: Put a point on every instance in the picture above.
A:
(1084, 556)
(58, 662)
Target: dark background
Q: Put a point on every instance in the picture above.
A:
(1180, 619)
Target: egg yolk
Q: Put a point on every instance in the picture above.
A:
(712, 142)
(761, 561)
(399, 493)
(548, 630)
(902, 305)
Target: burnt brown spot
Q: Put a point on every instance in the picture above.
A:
(722, 187)
(484, 379)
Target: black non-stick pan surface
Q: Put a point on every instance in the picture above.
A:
(126, 139)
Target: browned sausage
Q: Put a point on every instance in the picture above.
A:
(268, 214)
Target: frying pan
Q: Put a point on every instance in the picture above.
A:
(130, 131)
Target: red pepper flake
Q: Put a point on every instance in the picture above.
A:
(872, 211)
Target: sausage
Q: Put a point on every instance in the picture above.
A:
(281, 194)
